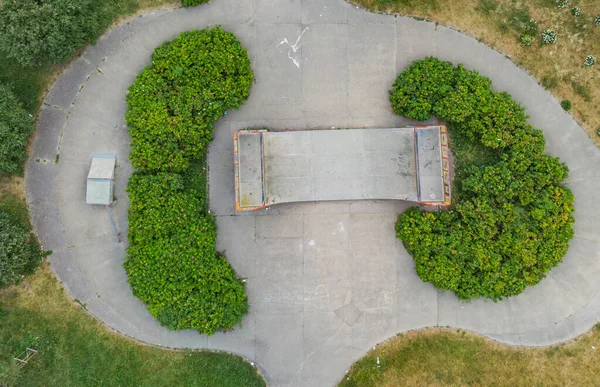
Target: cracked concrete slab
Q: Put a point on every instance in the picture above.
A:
(326, 280)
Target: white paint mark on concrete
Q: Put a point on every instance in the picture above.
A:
(312, 243)
(293, 48)
(320, 299)
(295, 60)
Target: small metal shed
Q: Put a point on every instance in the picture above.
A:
(100, 180)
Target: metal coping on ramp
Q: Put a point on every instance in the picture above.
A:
(345, 164)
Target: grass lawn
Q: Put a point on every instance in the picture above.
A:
(500, 23)
(454, 357)
(75, 350)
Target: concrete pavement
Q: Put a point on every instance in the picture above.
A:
(327, 280)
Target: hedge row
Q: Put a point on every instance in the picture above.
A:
(171, 261)
(511, 220)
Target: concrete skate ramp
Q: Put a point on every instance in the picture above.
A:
(349, 164)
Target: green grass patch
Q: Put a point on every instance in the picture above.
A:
(455, 357)
(16, 209)
(75, 350)
(581, 90)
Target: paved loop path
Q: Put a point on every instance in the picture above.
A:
(328, 280)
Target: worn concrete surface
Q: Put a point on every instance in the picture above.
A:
(341, 164)
(326, 280)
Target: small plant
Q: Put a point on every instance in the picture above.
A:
(521, 21)
(549, 82)
(549, 36)
(581, 90)
(527, 40)
(598, 131)
(561, 3)
(566, 104)
(597, 20)
(576, 11)
(589, 61)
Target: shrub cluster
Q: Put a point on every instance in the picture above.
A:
(172, 263)
(171, 260)
(566, 104)
(511, 218)
(193, 81)
(562, 3)
(549, 36)
(20, 253)
(576, 11)
(15, 127)
(589, 61)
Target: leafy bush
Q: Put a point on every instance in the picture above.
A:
(562, 4)
(566, 104)
(511, 218)
(19, 252)
(597, 20)
(192, 81)
(15, 127)
(549, 36)
(37, 32)
(191, 3)
(527, 40)
(417, 90)
(589, 61)
(171, 261)
(575, 11)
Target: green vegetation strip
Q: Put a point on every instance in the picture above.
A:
(75, 350)
(511, 218)
(443, 357)
(171, 261)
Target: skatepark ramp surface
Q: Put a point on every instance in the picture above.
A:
(274, 167)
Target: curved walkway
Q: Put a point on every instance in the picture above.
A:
(328, 280)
